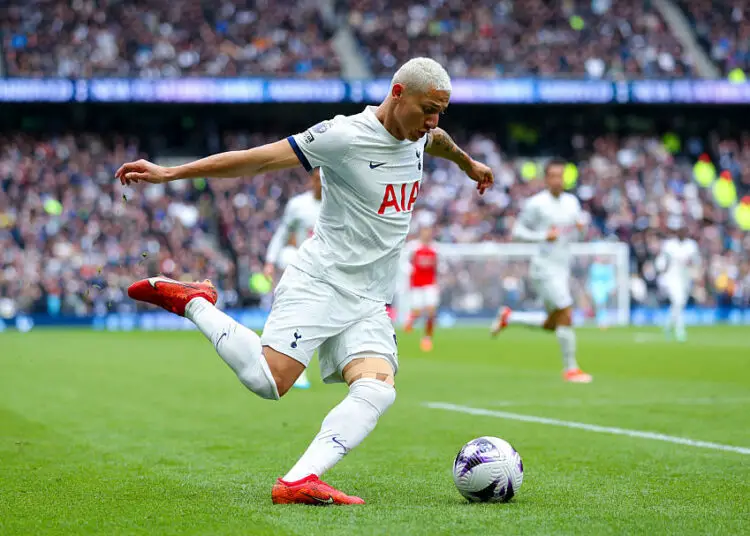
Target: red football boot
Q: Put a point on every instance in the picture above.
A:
(310, 490)
(501, 321)
(170, 294)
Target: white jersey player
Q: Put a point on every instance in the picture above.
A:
(333, 298)
(554, 219)
(298, 221)
(677, 262)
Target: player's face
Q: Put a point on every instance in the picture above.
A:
(554, 179)
(315, 183)
(425, 234)
(418, 113)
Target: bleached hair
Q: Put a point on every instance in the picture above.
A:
(422, 75)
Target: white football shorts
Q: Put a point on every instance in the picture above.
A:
(423, 297)
(309, 314)
(553, 289)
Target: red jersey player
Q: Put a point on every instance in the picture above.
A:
(424, 293)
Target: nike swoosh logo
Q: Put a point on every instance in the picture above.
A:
(329, 500)
(220, 337)
(154, 280)
(158, 279)
(377, 165)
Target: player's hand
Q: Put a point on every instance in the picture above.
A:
(269, 271)
(552, 234)
(142, 170)
(580, 226)
(482, 174)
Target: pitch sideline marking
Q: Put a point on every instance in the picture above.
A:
(588, 427)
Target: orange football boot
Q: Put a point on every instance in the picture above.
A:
(577, 376)
(501, 321)
(170, 294)
(310, 490)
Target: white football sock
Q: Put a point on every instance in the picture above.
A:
(567, 339)
(534, 319)
(669, 319)
(302, 379)
(344, 427)
(678, 319)
(237, 345)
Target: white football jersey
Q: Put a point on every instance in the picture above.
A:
(370, 185)
(300, 215)
(677, 259)
(541, 212)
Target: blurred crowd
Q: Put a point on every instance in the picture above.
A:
(490, 38)
(635, 190)
(72, 239)
(723, 29)
(159, 38)
(612, 39)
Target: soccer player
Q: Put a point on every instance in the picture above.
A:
(299, 219)
(677, 262)
(601, 283)
(554, 219)
(424, 293)
(333, 297)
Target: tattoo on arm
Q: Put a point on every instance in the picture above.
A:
(443, 146)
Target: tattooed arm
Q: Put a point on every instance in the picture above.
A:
(440, 144)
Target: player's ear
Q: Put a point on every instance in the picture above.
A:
(397, 91)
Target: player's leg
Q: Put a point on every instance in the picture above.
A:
(555, 291)
(414, 315)
(507, 317)
(429, 327)
(268, 376)
(678, 300)
(371, 393)
(262, 369)
(566, 338)
(432, 298)
(302, 382)
(416, 302)
(599, 297)
(364, 356)
(668, 320)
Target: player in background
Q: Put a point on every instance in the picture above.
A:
(678, 263)
(424, 293)
(601, 284)
(554, 219)
(298, 221)
(333, 297)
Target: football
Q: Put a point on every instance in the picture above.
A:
(488, 469)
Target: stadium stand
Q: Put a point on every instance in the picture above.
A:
(488, 38)
(159, 38)
(723, 29)
(80, 254)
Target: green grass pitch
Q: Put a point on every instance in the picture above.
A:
(150, 433)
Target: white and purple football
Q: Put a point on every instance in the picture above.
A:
(488, 469)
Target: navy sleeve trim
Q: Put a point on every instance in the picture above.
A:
(302, 158)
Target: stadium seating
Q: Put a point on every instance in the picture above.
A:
(610, 39)
(489, 38)
(71, 243)
(723, 29)
(159, 38)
